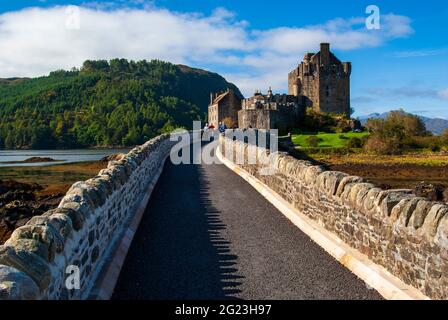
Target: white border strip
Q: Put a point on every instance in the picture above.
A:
(374, 275)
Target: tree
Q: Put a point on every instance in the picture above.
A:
(9, 141)
(42, 138)
(389, 135)
(412, 125)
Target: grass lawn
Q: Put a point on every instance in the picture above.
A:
(328, 140)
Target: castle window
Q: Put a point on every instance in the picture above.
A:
(327, 91)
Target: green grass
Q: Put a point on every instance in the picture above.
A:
(328, 140)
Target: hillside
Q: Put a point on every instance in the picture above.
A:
(434, 125)
(115, 103)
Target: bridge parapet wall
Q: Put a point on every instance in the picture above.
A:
(405, 234)
(83, 231)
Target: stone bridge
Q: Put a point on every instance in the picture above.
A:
(145, 228)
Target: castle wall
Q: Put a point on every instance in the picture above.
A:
(405, 234)
(334, 92)
(255, 118)
(293, 89)
(283, 119)
(83, 231)
(309, 87)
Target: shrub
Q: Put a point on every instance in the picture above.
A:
(435, 148)
(228, 122)
(433, 143)
(355, 142)
(342, 126)
(313, 141)
(377, 144)
(444, 137)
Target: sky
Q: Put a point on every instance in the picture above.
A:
(401, 63)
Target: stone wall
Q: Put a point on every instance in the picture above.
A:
(405, 234)
(284, 118)
(83, 231)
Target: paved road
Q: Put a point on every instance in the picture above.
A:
(207, 234)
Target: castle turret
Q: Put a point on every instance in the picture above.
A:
(347, 68)
(325, 54)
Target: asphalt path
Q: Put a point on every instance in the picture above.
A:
(207, 234)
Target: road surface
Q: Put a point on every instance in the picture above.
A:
(207, 234)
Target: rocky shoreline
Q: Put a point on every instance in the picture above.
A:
(19, 202)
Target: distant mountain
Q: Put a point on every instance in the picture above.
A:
(434, 125)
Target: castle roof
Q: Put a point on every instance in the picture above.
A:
(333, 59)
(220, 97)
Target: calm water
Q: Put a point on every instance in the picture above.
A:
(63, 156)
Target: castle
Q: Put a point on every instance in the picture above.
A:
(321, 82)
(270, 111)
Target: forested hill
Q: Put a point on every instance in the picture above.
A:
(115, 103)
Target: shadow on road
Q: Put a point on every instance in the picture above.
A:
(178, 251)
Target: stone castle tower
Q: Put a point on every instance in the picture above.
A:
(323, 80)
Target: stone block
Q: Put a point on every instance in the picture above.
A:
(77, 217)
(355, 189)
(407, 209)
(390, 199)
(82, 209)
(346, 180)
(101, 189)
(16, 285)
(369, 200)
(58, 220)
(435, 215)
(441, 238)
(419, 214)
(328, 181)
(30, 245)
(81, 192)
(107, 178)
(46, 234)
(312, 173)
(31, 264)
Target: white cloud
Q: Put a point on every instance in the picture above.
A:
(36, 40)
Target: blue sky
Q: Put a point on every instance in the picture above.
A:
(252, 43)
